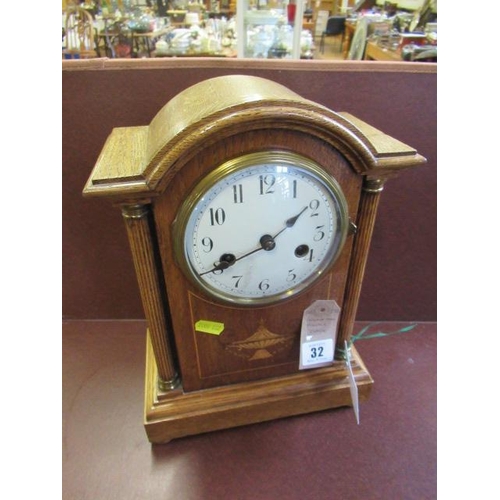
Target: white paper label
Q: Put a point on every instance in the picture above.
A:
(318, 333)
(319, 352)
(352, 384)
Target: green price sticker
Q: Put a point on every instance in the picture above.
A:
(212, 327)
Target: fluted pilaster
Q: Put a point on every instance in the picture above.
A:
(367, 212)
(141, 244)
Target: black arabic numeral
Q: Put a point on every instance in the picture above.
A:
(264, 285)
(314, 206)
(217, 216)
(266, 183)
(238, 193)
(208, 244)
(320, 234)
(316, 352)
(238, 279)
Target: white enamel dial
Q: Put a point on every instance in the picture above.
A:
(261, 228)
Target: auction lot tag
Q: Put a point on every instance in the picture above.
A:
(318, 334)
(316, 353)
(352, 383)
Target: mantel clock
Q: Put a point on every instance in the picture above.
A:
(244, 204)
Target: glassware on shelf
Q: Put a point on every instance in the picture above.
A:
(269, 28)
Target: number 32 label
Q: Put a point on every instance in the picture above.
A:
(317, 353)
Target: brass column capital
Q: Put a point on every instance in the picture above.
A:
(135, 211)
(373, 185)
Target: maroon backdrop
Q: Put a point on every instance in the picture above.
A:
(398, 98)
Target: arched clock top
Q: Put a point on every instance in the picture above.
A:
(138, 162)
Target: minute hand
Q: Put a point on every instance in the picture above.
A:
(267, 241)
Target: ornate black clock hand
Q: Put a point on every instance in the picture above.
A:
(291, 221)
(267, 243)
(226, 260)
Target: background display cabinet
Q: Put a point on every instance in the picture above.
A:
(269, 28)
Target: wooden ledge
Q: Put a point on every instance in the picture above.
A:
(248, 64)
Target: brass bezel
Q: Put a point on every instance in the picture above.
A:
(228, 168)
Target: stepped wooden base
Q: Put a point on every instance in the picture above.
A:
(172, 414)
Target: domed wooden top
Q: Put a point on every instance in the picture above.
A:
(137, 162)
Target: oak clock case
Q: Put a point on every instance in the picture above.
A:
(242, 210)
(202, 226)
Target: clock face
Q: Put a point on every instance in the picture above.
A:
(261, 228)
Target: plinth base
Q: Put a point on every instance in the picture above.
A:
(173, 414)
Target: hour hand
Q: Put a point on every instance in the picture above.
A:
(226, 260)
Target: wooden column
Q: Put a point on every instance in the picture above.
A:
(141, 244)
(365, 223)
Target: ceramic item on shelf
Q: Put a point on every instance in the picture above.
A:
(306, 45)
(180, 41)
(260, 42)
(161, 47)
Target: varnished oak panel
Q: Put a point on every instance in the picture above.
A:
(209, 360)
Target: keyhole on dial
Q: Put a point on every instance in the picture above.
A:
(301, 251)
